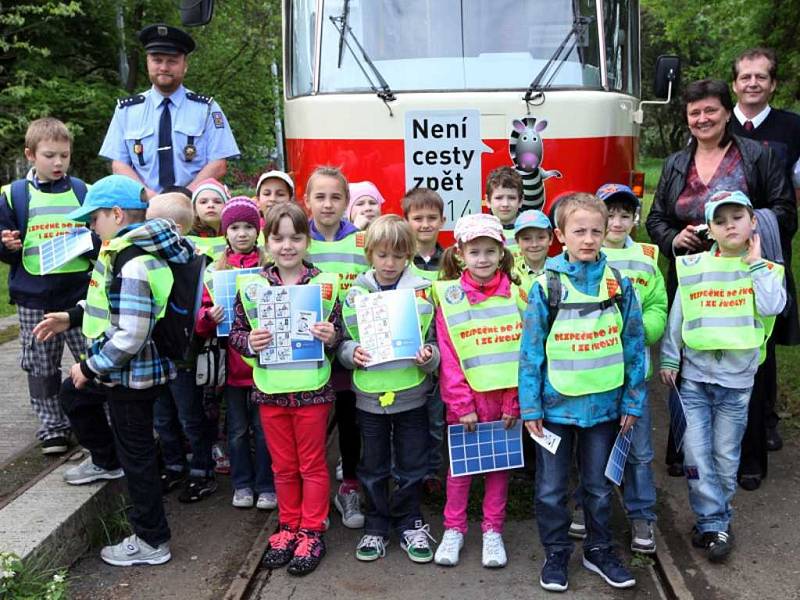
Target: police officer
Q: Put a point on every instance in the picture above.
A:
(168, 135)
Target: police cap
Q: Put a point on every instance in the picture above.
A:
(163, 39)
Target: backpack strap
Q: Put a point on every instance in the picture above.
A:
(553, 296)
(20, 198)
(79, 187)
(124, 256)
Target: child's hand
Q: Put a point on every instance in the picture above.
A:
(51, 325)
(216, 313)
(79, 380)
(627, 422)
(10, 239)
(469, 421)
(509, 421)
(260, 339)
(668, 377)
(535, 427)
(361, 357)
(424, 354)
(753, 250)
(323, 331)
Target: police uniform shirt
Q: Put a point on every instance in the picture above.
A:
(197, 121)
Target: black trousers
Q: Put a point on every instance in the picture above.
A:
(760, 416)
(127, 443)
(349, 435)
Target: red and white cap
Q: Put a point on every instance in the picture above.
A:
(472, 227)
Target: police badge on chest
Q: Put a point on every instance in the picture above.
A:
(189, 152)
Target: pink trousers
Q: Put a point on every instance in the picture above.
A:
(494, 501)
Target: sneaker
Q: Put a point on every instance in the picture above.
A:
(449, 548)
(494, 551)
(280, 548)
(87, 472)
(553, 577)
(605, 563)
(371, 547)
(642, 537)
(197, 488)
(416, 543)
(171, 479)
(243, 498)
(222, 463)
(267, 501)
(308, 553)
(750, 482)
(339, 470)
(719, 545)
(349, 505)
(577, 528)
(55, 445)
(700, 539)
(135, 551)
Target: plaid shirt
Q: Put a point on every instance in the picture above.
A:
(125, 354)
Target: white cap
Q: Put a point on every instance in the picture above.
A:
(284, 177)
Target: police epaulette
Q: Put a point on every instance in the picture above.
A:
(130, 100)
(199, 98)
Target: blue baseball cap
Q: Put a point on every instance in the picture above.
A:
(531, 218)
(607, 191)
(108, 192)
(722, 198)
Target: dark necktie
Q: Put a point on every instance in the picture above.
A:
(748, 126)
(166, 168)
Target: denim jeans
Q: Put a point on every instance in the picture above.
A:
(639, 491)
(128, 443)
(716, 418)
(180, 408)
(408, 433)
(435, 430)
(245, 471)
(553, 514)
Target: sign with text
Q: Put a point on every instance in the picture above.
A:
(443, 153)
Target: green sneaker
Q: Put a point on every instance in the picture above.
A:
(416, 543)
(371, 547)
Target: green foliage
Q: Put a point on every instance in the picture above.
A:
(708, 36)
(21, 580)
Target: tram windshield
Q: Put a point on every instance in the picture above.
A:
(436, 45)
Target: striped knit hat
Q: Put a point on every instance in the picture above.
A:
(211, 185)
(239, 208)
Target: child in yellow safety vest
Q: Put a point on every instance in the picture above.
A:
(293, 400)
(391, 400)
(479, 372)
(208, 200)
(639, 263)
(338, 247)
(504, 196)
(719, 323)
(31, 213)
(533, 233)
(581, 377)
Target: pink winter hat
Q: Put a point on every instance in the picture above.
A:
(212, 185)
(240, 208)
(362, 188)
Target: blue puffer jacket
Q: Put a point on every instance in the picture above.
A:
(537, 397)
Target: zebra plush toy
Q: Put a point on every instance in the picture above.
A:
(526, 150)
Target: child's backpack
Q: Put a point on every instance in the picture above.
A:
(554, 294)
(174, 332)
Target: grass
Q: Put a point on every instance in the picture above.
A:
(788, 356)
(5, 308)
(112, 526)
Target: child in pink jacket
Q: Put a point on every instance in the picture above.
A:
(487, 275)
(251, 476)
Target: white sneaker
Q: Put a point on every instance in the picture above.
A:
(135, 551)
(267, 501)
(87, 472)
(349, 505)
(449, 548)
(494, 551)
(243, 498)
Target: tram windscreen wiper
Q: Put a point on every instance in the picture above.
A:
(558, 58)
(340, 23)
